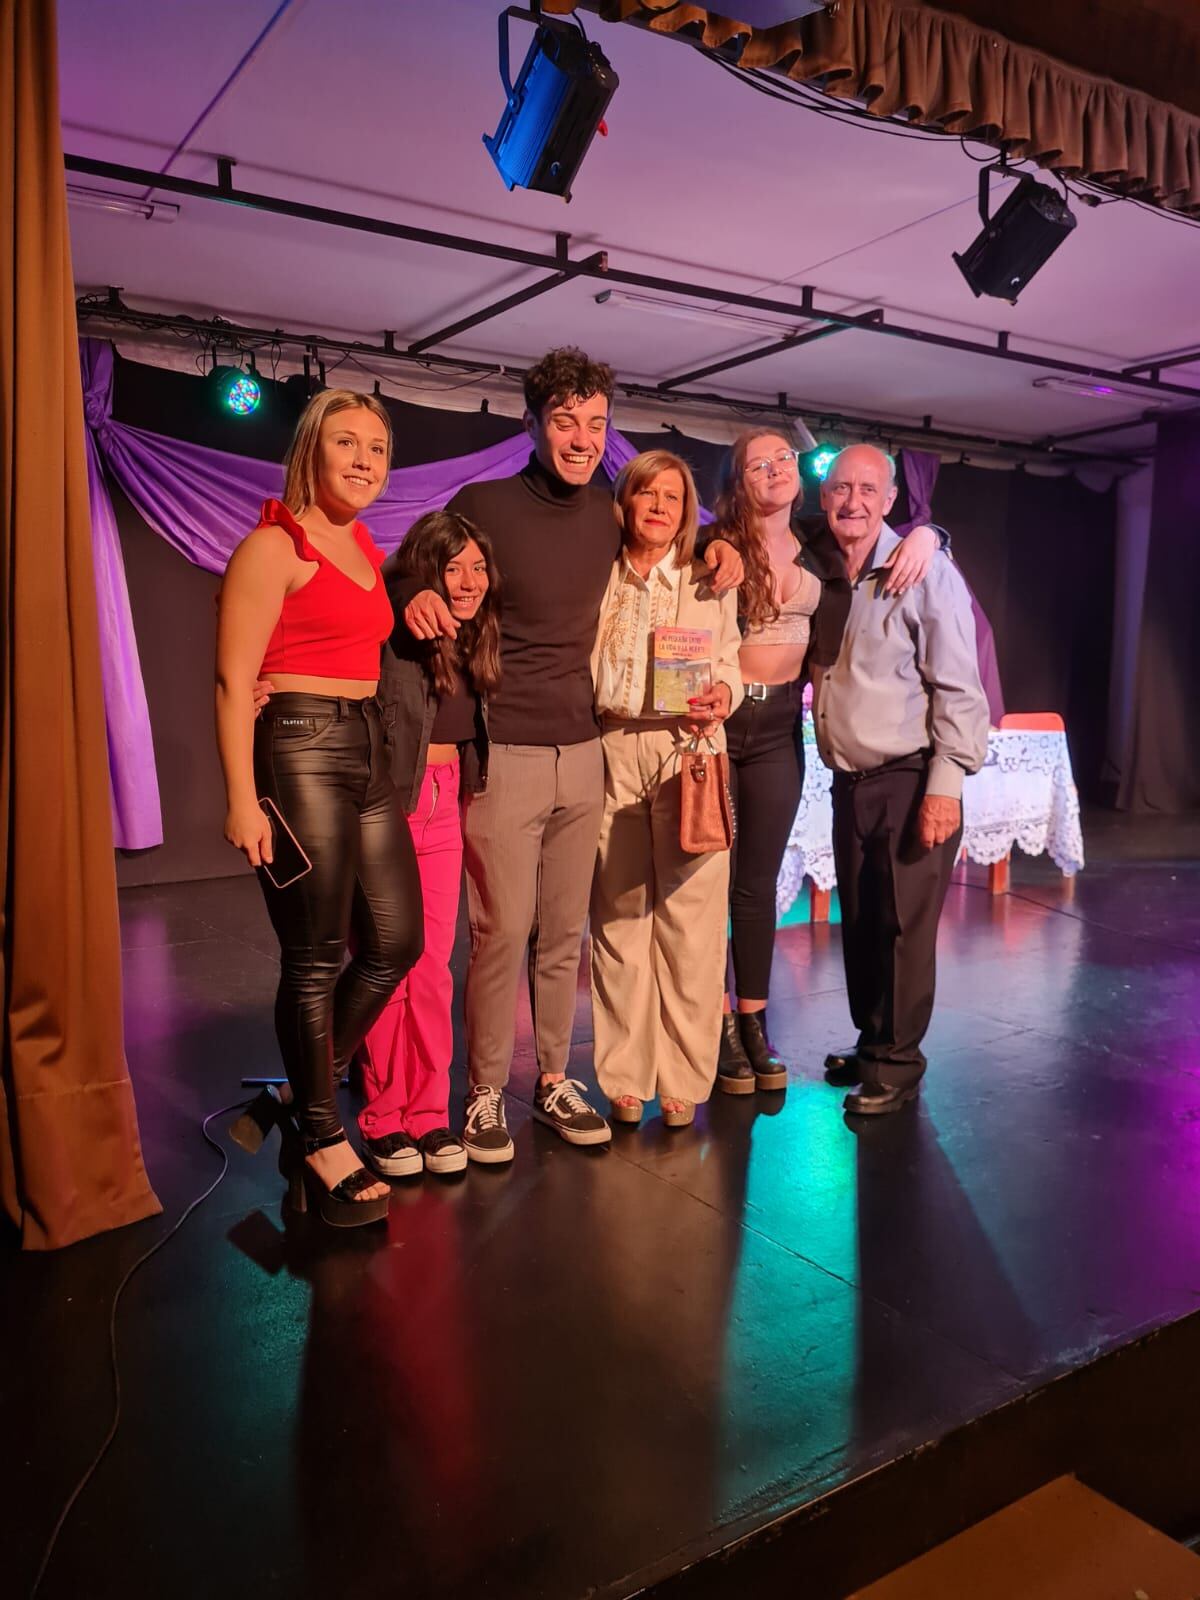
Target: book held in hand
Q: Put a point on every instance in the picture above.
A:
(682, 668)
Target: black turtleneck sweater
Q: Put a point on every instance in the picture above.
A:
(555, 545)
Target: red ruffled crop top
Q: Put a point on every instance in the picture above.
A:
(332, 627)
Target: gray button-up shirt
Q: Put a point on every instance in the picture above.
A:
(906, 677)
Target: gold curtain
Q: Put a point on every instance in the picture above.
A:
(903, 57)
(70, 1156)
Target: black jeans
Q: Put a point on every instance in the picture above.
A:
(891, 893)
(766, 776)
(324, 761)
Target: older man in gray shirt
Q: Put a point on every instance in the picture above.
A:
(901, 718)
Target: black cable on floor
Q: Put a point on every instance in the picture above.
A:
(112, 1343)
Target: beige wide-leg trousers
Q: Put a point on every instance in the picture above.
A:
(658, 926)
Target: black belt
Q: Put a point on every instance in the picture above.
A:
(764, 691)
(916, 762)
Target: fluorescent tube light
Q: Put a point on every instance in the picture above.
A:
(656, 306)
(126, 205)
(1093, 389)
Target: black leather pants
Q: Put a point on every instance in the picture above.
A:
(324, 761)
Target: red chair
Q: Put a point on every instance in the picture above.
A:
(1038, 722)
(1043, 721)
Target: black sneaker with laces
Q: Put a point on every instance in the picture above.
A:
(393, 1155)
(562, 1107)
(442, 1151)
(486, 1134)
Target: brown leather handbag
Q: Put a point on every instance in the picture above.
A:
(706, 806)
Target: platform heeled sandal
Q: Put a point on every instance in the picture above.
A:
(626, 1108)
(338, 1206)
(679, 1114)
(270, 1105)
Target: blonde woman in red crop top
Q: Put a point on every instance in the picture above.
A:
(304, 606)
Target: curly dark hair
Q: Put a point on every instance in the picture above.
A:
(565, 374)
(429, 545)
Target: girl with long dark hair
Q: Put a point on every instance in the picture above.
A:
(437, 690)
(788, 561)
(310, 799)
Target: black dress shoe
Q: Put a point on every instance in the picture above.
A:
(843, 1069)
(770, 1070)
(735, 1075)
(877, 1100)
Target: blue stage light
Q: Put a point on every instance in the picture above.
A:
(822, 459)
(554, 109)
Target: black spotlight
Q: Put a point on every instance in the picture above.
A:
(1017, 241)
(554, 109)
(302, 386)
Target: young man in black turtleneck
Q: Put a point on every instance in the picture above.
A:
(531, 835)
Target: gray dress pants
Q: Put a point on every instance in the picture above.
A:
(530, 850)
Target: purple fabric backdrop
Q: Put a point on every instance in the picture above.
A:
(920, 469)
(920, 474)
(137, 814)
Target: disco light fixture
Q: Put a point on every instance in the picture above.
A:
(236, 390)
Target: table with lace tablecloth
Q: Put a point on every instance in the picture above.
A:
(1023, 795)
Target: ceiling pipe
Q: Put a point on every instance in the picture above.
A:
(245, 60)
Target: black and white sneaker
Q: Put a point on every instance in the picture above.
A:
(394, 1155)
(562, 1107)
(486, 1134)
(442, 1151)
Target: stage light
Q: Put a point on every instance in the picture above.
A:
(243, 395)
(821, 459)
(1018, 241)
(237, 391)
(554, 109)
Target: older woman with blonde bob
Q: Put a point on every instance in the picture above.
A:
(658, 913)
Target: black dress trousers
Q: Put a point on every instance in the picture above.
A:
(891, 893)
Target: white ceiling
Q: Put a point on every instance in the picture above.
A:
(379, 108)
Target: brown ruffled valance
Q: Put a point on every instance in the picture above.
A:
(941, 70)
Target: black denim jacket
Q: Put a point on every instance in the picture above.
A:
(410, 705)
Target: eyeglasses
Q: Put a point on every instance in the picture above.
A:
(783, 461)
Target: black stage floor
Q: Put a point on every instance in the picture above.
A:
(580, 1374)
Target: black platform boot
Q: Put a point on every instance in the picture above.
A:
(735, 1075)
(770, 1070)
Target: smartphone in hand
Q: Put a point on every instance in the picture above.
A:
(290, 861)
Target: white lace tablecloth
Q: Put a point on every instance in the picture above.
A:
(1023, 795)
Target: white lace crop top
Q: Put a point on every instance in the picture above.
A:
(794, 622)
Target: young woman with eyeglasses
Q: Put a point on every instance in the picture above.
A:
(756, 512)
